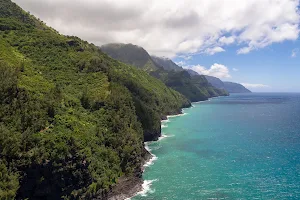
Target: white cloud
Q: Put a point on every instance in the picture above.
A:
(294, 52)
(227, 40)
(217, 70)
(180, 63)
(212, 51)
(186, 57)
(173, 27)
(244, 50)
(235, 69)
(255, 85)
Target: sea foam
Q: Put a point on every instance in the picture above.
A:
(151, 160)
(147, 188)
(164, 126)
(147, 183)
(179, 115)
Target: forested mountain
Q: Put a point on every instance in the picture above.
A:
(166, 63)
(131, 54)
(72, 119)
(194, 88)
(215, 81)
(228, 86)
(235, 87)
(192, 72)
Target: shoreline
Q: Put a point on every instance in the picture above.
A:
(136, 185)
(146, 186)
(129, 187)
(147, 183)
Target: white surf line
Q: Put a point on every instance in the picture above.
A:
(197, 102)
(178, 115)
(164, 126)
(146, 188)
(209, 99)
(151, 160)
(163, 136)
(147, 183)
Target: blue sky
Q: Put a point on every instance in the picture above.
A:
(272, 66)
(254, 37)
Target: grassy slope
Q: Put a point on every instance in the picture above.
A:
(71, 118)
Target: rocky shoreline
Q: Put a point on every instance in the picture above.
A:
(128, 187)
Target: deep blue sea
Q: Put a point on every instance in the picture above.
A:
(245, 146)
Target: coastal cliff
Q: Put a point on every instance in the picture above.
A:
(73, 121)
(195, 88)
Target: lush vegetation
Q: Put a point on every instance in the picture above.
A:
(166, 63)
(195, 88)
(72, 120)
(131, 54)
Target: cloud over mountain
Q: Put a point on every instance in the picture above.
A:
(173, 27)
(255, 85)
(216, 70)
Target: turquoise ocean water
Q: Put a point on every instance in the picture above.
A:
(246, 146)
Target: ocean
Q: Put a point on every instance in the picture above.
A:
(245, 146)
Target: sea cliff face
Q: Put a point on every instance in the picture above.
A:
(127, 186)
(73, 120)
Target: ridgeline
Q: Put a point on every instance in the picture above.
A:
(72, 119)
(195, 88)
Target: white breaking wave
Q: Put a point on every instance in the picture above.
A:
(197, 102)
(147, 146)
(150, 162)
(171, 116)
(165, 121)
(164, 126)
(164, 136)
(147, 188)
(147, 183)
(201, 101)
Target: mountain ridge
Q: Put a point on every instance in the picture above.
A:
(72, 119)
(166, 63)
(231, 87)
(194, 88)
(130, 54)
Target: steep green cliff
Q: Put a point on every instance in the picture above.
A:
(131, 54)
(194, 88)
(166, 63)
(72, 120)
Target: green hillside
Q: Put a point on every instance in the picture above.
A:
(132, 55)
(166, 63)
(194, 88)
(72, 120)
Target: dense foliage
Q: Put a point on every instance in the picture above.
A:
(166, 63)
(195, 88)
(72, 120)
(131, 54)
